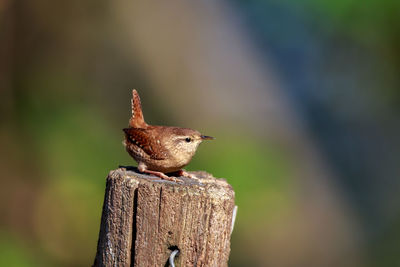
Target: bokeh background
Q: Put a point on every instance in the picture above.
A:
(303, 97)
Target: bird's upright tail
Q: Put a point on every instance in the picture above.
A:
(137, 119)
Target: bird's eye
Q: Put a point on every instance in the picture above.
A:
(188, 139)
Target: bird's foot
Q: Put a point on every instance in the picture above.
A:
(184, 173)
(162, 175)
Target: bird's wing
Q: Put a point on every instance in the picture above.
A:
(147, 142)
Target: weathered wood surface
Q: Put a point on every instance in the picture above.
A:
(145, 218)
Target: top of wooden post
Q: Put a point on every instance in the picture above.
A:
(218, 187)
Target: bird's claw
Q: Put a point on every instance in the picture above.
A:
(172, 179)
(187, 174)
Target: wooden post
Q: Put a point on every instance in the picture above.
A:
(145, 218)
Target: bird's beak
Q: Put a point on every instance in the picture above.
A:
(205, 137)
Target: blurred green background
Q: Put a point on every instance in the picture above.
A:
(303, 97)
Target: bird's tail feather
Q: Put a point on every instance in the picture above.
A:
(137, 119)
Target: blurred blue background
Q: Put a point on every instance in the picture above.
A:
(303, 97)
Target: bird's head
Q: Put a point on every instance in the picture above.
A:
(185, 141)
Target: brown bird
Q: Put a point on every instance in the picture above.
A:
(160, 149)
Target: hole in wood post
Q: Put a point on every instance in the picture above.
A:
(172, 248)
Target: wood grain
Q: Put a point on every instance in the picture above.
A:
(145, 218)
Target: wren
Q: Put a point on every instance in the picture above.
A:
(159, 150)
